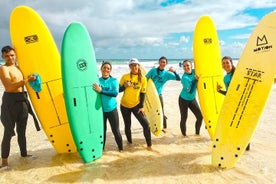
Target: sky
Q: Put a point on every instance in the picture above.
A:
(146, 29)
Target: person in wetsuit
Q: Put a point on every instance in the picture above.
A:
(228, 66)
(134, 86)
(15, 105)
(109, 89)
(187, 98)
(160, 76)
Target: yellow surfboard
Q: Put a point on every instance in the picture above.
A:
(207, 59)
(152, 106)
(37, 53)
(247, 95)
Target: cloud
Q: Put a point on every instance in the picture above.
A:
(241, 36)
(130, 23)
(184, 39)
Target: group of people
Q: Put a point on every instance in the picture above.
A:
(133, 85)
(15, 105)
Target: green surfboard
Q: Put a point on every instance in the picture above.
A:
(83, 104)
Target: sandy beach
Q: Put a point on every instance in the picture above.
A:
(174, 159)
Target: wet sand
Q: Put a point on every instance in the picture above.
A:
(174, 159)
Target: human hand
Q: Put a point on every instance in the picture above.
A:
(218, 87)
(197, 77)
(97, 87)
(31, 78)
(127, 84)
(141, 110)
(171, 69)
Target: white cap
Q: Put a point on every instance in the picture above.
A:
(133, 61)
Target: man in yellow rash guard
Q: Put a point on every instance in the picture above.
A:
(134, 86)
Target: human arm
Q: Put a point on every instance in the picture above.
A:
(189, 82)
(176, 75)
(11, 82)
(219, 87)
(193, 86)
(99, 89)
(125, 85)
(142, 96)
(194, 83)
(141, 104)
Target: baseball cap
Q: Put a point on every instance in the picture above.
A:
(133, 61)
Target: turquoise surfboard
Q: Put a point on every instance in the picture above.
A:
(83, 104)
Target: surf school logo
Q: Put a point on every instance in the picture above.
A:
(262, 44)
(82, 64)
(254, 74)
(207, 40)
(31, 39)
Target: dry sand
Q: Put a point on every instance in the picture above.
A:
(174, 159)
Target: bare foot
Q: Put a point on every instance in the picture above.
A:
(4, 167)
(149, 148)
(31, 157)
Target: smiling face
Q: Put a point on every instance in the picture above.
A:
(162, 64)
(227, 65)
(9, 57)
(106, 69)
(187, 66)
(134, 68)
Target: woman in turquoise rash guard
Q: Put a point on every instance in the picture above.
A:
(160, 76)
(228, 66)
(187, 98)
(109, 89)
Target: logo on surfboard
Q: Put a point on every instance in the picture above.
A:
(207, 40)
(262, 44)
(31, 39)
(82, 64)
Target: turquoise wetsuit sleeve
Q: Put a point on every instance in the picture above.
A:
(110, 93)
(193, 86)
(113, 90)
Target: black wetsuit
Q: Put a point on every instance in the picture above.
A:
(14, 111)
(126, 113)
(113, 119)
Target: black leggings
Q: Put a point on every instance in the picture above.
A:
(14, 111)
(113, 119)
(126, 113)
(193, 105)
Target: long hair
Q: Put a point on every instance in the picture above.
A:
(139, 74)
(231, 61)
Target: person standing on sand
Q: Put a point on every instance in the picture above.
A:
(109, 89)
(160, 76)
(14, 109)
(134, 86)
(187, 98)
(228, 66)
